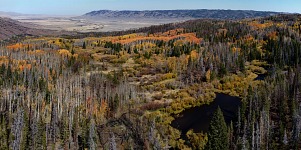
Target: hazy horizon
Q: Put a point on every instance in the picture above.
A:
(80, 7)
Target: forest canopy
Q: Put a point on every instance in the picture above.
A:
(122, 90)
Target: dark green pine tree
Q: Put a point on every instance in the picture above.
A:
(217, 134)
(26, 136)
(41, 136)
(84, 45)
(4, 138)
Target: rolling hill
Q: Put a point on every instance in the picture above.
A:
(10, 28)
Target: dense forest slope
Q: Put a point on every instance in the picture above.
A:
(123, 90)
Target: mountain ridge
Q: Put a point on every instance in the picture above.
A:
(181, 13)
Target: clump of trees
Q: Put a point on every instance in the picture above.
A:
(49, 100)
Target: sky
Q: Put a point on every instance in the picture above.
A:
(79, 7)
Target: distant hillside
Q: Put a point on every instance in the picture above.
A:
(9, 14)
(10, 28)
(178, 14)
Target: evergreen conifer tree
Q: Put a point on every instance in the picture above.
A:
(217, 135)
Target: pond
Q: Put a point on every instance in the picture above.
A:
(198, 118)
(261, 77)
